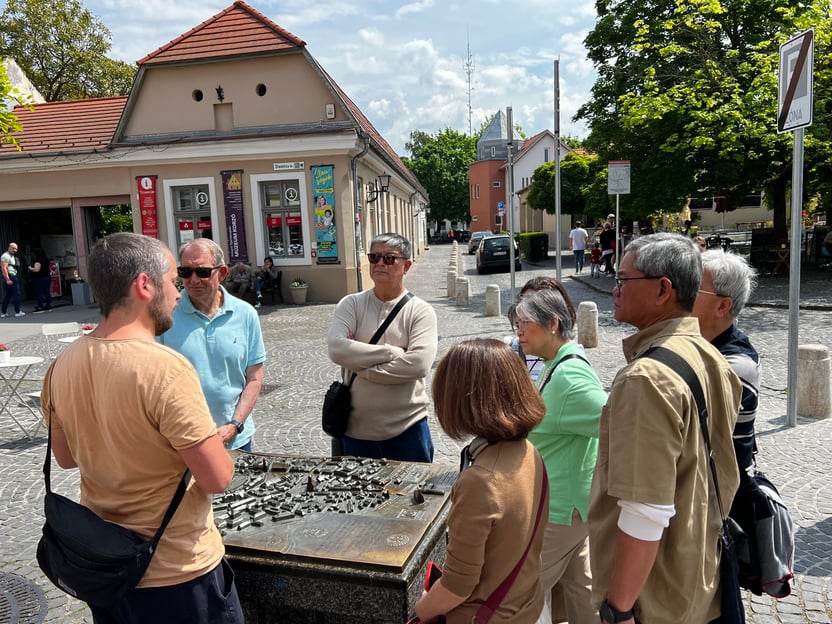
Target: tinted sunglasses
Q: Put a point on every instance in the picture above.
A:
(201, 272)
(388, 258)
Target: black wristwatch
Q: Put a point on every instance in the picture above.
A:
(237, 425)
(609, 614)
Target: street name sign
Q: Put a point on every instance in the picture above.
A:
(618, 177)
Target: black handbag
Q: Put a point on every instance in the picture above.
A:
(90, 558)
(731, 536)
(335, 413)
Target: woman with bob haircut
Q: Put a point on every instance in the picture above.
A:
(482, 389)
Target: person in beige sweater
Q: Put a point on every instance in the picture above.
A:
(389, 401)
(500, 500)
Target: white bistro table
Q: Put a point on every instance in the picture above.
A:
(12, 373)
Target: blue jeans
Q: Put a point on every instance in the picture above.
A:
(12, 294)
(211, 597)
(579, 259)
(415, 445)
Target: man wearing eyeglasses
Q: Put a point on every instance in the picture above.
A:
(389, 401)
(654, 518)
(221, 337)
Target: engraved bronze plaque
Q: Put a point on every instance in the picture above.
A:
(344, 509)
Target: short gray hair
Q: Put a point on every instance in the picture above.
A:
(397, 241)
(731, 275)
(117, 260)
(542, 307)
(204, 244)
(673, 256)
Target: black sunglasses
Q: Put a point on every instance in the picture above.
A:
(388, 258)
(201, 272)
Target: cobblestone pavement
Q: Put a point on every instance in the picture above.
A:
(298, 372)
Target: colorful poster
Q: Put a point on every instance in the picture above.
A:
(323, 203)
(232, 197)
(147, 205)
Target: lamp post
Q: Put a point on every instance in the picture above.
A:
(379, 186)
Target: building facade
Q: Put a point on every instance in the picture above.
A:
(231, 131)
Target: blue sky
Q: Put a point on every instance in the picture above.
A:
(402, 62)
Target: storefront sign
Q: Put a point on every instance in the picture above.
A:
(323, 202)
(232, 195)
(147, 205)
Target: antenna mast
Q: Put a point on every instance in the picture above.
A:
(469, 69)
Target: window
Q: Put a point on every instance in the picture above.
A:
(284, 222)
(493, 152)
(191, 209)
(476, 191)
(545, 154)
(496, 184)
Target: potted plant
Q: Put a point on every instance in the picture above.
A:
(5, 354)
(298, 289)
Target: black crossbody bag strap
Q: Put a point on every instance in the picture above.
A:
(683, 369)
(174, 503)
(571, 356)
(383, 327)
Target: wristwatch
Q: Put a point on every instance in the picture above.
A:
(237, 425)
(611, 615)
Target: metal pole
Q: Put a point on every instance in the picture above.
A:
(618, 249)
(557, 172)
(794, 273)
(510, 196)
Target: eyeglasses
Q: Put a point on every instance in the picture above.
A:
(619, 280)
(201, 272)
(520, 325)
(387, 258)
(710, 292)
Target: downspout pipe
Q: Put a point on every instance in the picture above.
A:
(357, 206)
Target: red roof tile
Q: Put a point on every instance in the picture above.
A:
(237, 30)
(67, 126)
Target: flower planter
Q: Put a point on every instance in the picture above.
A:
(298, 294)
(81, 294)
(5, 356)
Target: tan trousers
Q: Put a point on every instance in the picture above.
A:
(565, 563)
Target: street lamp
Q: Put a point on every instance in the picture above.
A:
(381, 185)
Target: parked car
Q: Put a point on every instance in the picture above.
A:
(475, 238)
(462, 236)
(493, 253)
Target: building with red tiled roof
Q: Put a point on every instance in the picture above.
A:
(231, 130)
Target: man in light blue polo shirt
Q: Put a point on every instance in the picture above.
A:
(221, 337)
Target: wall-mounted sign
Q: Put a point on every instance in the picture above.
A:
(284, 166)
(232, 195)
(148, 206)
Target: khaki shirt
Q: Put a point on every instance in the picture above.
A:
(651, 451)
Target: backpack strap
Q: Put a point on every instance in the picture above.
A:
(678, 365)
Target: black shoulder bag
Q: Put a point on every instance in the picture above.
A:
(731, 537)
(335, 413)
(90, 558)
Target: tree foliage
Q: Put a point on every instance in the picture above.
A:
(8, 121)
(61, 47)
(687, 91)
(441, 161)
(578, 173)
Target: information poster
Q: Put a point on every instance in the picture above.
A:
(323, 201)
(232, 195)
(148, 208)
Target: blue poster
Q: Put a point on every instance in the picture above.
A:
(323, 202)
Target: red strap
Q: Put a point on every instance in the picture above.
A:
(488, 608)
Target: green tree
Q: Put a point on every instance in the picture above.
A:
(116, 218)
(8, 121)
(61, 46)
(578, 173)
(687, 92)
(440, 161)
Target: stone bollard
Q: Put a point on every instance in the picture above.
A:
(813, 379)
(492, 300)
(452, 283)
(462, 291)
(588, 324)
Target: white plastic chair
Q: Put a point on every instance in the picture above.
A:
(51, 331)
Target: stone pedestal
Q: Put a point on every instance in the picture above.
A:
(462, 291)
(588, 324)
(452, 283)
(342, 540)
(492, 300)
(813, 381)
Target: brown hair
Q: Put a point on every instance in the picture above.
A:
(482, 388)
